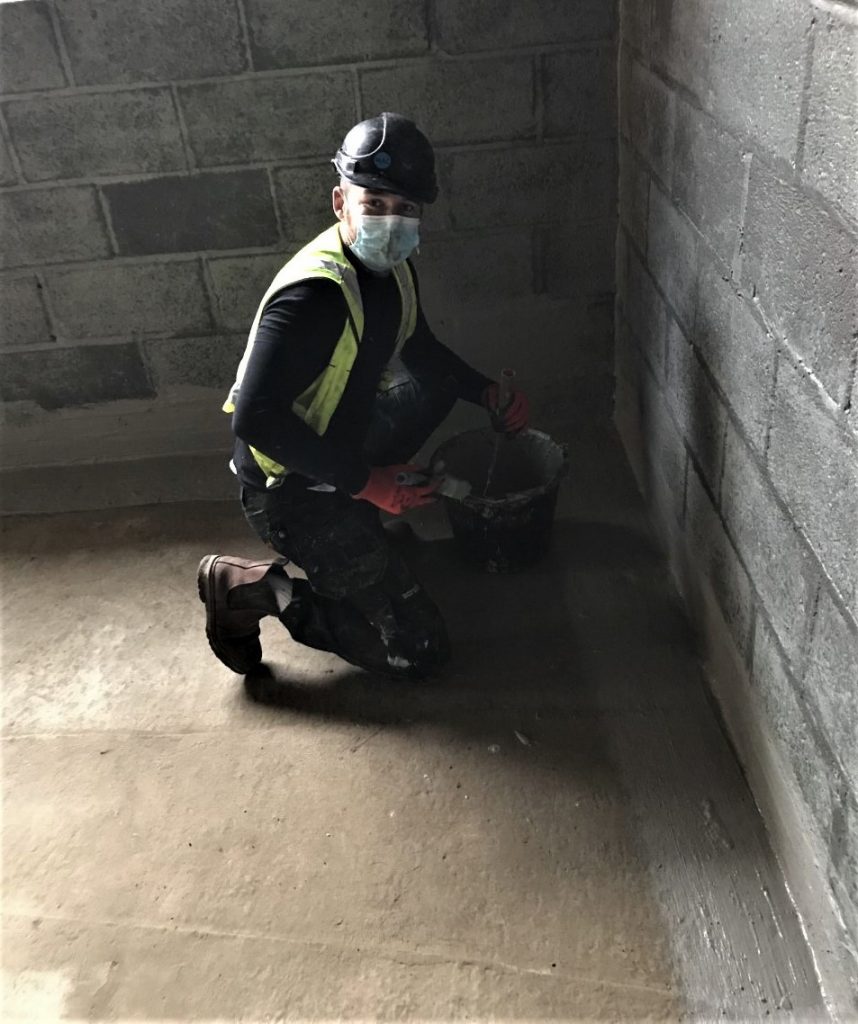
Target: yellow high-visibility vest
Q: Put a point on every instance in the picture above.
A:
(324, 257)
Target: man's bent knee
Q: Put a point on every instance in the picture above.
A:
(423, 633)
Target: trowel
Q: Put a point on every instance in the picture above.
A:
(449, 486)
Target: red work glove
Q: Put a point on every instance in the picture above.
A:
(383, 491)
(515, 417)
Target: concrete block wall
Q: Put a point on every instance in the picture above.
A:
(159, 159)
(736, 351)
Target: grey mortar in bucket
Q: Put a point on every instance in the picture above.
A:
(508, 527)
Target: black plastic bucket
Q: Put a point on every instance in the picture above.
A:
(505, 526)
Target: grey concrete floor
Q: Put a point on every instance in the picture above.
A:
(556, 830)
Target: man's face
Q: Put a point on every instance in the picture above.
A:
(353, 201)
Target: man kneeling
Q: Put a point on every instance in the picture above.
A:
(341, 384)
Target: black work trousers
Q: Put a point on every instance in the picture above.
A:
(361, 600)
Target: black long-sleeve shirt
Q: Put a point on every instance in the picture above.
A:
(296, 337)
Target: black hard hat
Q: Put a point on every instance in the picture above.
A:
(390, 153)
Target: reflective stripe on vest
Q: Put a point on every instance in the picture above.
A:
(324, 257)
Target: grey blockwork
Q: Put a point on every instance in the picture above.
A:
(708, 178)
(95, 134)
(204, 362)
(665, 454)
(127, 299)
(215, 210)
(695, 405)
(160, 161)
(477, 269)
(672, 254)
(646, 314)
(464, 26)
(831, 674)
(655, 447)
(25, 320)
(737, 313)
(53, 378)
(621, 267)
(251, 120)
(831, 139)
(287, 34)
(744, 366)
(580, 87)
(814, 464)
(449, 97)
(51, 225)
(801, 263)
(757, 60)
(796, 722)
(569, 267)
(765, 535)
(570, 180)
(239, 283)
(681, 42)
(651, 119)
(636, 25)
(633, 195)
(8, 171)
(303, 196)
(29, 56)
(157, 41)
(720, 562)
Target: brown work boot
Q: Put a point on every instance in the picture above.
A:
(237, 594)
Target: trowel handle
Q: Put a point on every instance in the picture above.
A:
(506, 386)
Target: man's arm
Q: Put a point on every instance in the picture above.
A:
(296, 337)
(424, 356)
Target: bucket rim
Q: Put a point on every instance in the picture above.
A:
(516, 497)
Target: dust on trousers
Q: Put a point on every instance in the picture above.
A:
(360, 600)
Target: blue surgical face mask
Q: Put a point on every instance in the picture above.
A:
(384, 241)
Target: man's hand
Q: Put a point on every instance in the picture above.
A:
(515, 415)
(388, 493)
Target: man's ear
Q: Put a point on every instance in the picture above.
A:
(338, 199)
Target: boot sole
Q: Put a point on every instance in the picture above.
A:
(235, 661)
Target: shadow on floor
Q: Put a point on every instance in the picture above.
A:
(556, 829)
(524, 639)
(596, 637)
